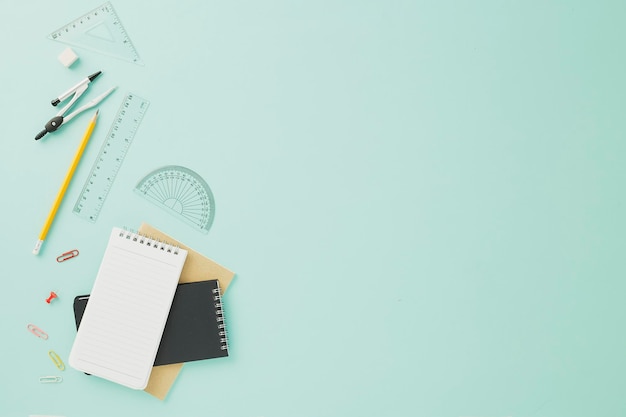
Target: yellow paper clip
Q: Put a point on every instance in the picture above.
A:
(37, 331)
(50, 379)
(67, 255)
(57, 360)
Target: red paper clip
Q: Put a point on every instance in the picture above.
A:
(37, 331)
(67, 255)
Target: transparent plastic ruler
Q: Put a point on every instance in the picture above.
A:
(182, 193)
(100, 31)
(110, 158)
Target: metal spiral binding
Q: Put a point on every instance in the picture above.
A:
(219, 311)
(148, 241)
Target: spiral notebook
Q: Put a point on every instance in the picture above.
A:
(131, 298)
(195, 328)
(197, 268)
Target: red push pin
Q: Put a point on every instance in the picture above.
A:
(53, 295)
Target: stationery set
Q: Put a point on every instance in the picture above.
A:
(154, 305)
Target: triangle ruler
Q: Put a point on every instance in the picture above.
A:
(100, 31)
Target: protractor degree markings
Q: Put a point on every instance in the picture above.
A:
(188, 195)
(192, 199)
(181, 188)
(161, 191)
(177, 187)
(181, 192)
(178, 190)
(156, 191)
(151, 185)
(193, 208)
(155, 194)
(161, 184)
(195, 217)
(188, 192)
(171, 186)
(161, 188)
(195, 204)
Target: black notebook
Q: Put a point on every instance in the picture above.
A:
(195, 327)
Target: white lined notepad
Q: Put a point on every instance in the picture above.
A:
(121, 329)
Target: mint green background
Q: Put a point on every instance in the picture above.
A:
(422, 201)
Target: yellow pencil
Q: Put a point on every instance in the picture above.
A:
(66, 182)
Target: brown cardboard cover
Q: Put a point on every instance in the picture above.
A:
(197, 268)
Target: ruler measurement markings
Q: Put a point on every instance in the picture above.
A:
(181, 192)
(76, 33)
(110, 158)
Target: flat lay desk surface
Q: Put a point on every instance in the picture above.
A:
(421, 201)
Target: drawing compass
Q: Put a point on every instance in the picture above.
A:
(75, 92)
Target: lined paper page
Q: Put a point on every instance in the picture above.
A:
(121, 329)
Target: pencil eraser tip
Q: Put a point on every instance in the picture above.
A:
(68, 57)
(37, 247)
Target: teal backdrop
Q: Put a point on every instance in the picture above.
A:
(420, 199)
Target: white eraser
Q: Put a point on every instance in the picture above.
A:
(68, 57)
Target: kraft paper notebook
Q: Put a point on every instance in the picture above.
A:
(195, 328)
(130, 301)
(197, 268)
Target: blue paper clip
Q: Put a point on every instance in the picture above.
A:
(50, 379)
